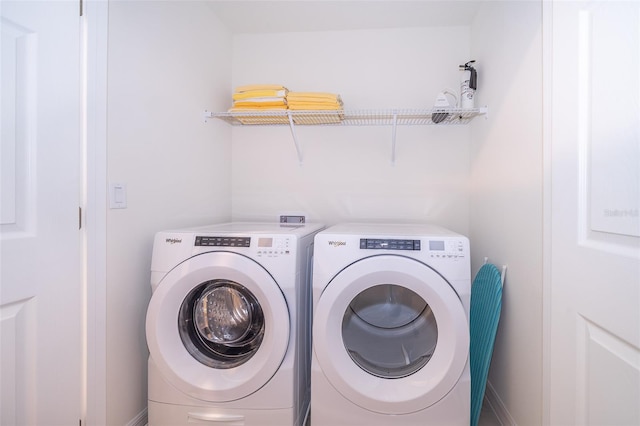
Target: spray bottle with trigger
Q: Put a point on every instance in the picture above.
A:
(468, 85)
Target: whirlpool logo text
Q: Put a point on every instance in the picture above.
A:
(173, 240)
(337, 243)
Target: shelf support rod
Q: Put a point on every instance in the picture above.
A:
(393, 137)
(292, 126)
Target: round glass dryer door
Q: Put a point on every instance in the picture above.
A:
(391, 334)
(218, 326)
(401, 319)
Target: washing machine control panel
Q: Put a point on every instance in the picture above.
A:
(446, 248)
(212, 241)
(389, 244)
(267, 246)
(273, 246)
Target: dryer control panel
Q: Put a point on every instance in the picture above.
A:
(389, 244)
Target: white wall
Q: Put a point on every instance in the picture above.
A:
(347, 174)
(506, 194)
(168, 61)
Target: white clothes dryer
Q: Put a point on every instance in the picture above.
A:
(390, 326)
(228, 325)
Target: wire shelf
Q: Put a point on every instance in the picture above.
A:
(388, 117)
(391, 117)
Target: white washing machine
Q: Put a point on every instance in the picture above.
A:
(228, 325)
(390, 326)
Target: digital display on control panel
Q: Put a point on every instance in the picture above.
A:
(265, 242)
(389, 244)
(436, 245)
(223, 241)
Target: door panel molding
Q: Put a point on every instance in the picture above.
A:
(19, 120)
(17, 361)
(608, 373)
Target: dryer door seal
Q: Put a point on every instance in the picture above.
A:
(233, 361)
(348, 327)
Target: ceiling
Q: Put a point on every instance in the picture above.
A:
(268, 16)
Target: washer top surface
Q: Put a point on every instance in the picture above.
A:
(274, 245)
(390, 229)
(253, 228)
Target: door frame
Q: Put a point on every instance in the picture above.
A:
(547, 91)
(94, 196)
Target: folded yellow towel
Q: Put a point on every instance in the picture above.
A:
(315, 106)
(296, 102)
(257, 108)
(315, 95)
(248, 87)
(314, 101)
(259, 94)
(273, 97)
(266, 102)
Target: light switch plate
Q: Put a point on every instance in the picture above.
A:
(117, 196)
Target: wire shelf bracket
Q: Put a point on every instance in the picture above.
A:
(292, 126)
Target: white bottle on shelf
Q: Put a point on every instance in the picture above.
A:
(468, 85)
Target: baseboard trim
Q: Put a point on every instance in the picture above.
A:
(140, 420)
(497, 406)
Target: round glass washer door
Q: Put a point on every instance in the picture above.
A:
(218, 326)
(221, 323)
(391, 334)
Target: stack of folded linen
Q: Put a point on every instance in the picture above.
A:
(260, 97)
(316, 101)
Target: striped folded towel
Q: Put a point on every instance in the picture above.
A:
(259, 96)
(315, 106)
(257, 108)
(313, 96)
(261, 102)
(314, 101)
(250, 87)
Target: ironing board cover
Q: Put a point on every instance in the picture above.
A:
(486, 303)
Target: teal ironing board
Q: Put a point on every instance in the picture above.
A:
(486, 303)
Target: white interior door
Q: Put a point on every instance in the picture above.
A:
(40, 293)
(594, 366)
